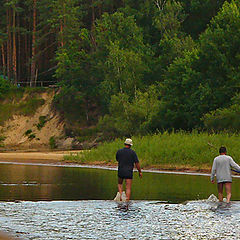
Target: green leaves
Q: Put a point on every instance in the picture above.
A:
(130, 117)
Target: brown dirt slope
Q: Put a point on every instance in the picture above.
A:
(14, 130)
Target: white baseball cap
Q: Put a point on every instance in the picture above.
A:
(128, 141)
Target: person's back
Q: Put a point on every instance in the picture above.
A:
(126, 158)
(223, 168)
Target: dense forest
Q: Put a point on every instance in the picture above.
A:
(129, 67)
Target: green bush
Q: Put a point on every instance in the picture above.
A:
(29, 107)
(130, 117)
(226, 119)
(2, 138)
(28, 132)
(42, 121)
(5, 86)
(31, 136)
(52, 142)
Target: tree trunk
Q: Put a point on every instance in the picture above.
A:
(9, 48)
(61, 33)
(93, 26)
(14, 54)
(19, 51)
(33, 62)
(3, 61)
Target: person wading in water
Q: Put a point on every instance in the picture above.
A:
(126, 158)
(222, 168)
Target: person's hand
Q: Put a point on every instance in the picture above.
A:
(140, 174)
(212, 181)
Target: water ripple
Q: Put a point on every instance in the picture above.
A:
(106, 220)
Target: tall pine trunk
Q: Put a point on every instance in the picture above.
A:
(19, 51)
(33, 62)
(9, 48)
(14, 54)
(3, 60)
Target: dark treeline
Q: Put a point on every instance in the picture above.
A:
(146, 66)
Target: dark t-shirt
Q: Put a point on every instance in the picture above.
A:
(126, 158)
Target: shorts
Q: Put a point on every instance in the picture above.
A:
(225, 182)
(125, 174)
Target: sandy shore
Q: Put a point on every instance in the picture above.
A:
(35, 157)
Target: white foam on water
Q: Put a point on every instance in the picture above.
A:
(212, 198)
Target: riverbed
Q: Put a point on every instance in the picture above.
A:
(106, 220)
(52, 202)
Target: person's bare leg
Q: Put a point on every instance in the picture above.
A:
(228, 188)
(128, 188)
(120, 187)
(220, 192)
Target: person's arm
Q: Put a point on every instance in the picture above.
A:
(117, 156)
(234, 165)
(213, 171)
(137, 164)
(139, 169)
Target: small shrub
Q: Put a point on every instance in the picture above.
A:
(52, 142)
(42, 121)
(31, 136)
(28, 132)
(5, 86)
(29, 108)
(2, 138)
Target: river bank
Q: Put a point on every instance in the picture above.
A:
(176, 151)
(58, 158)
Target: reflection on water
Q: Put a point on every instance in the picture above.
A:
(19, 182)
(104, 220)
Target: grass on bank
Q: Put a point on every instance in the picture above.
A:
(167, 150)
(14, 103)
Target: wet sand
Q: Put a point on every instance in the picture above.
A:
(35, 157)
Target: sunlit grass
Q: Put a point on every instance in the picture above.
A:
(167, 150)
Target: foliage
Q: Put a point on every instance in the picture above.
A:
(121, 54)
(28, 132)
(29, 108)
(13, 103)
(2, 138)
(5, 86)
(52, 142)
(130, 117)
(224, 119)
(167, 150)
(31, 136)
(42, 121)
(205, 78)
(107, 55)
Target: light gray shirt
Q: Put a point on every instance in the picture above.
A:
(222, 165)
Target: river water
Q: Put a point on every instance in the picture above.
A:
(40, 202)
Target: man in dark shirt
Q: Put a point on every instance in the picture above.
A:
(126, 158)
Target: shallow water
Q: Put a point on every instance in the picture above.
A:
(37, 183)
(105, 220)
(172, 216)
